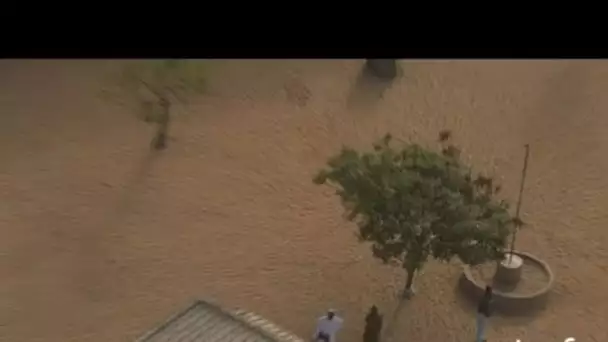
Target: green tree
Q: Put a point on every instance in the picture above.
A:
(413, 203)
(157, 85)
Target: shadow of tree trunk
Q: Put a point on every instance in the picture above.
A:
(94, 262)
(389, 328)
(136, 182)
(160, 139)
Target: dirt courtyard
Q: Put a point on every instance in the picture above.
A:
(101, 240)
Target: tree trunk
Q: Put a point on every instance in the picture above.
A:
(408, 292)
(160, 141)
(383, 68)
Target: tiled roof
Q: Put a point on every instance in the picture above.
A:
(203, 321)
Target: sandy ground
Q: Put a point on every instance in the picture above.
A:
(100, 240)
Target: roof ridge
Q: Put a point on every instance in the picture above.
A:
(248, 319)
(265, 326)
(168, 321)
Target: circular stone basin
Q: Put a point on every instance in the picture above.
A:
(529, 294)
(508, 272)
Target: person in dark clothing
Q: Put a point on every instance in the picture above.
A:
(373, 326)
(483, 313)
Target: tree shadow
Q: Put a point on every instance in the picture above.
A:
(466, 305)
(368, 89)
(389, 328)
(134, 185)
(94, 258)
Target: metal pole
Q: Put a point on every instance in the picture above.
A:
(521, 190)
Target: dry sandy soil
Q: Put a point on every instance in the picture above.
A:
(100, 240)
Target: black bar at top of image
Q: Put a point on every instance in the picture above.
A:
(299, 52)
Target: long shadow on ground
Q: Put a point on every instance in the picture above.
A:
(94, 259)
(389, 328)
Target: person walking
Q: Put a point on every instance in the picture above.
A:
(327, 327)
(483, 314)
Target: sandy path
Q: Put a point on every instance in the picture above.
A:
(100, 240)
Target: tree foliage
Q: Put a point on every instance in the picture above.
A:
(414, 203)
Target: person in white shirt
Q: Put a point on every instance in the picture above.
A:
(327, 327)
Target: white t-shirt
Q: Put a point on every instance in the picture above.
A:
(329, 326)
